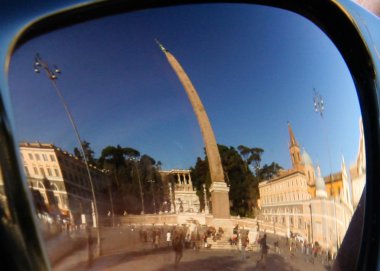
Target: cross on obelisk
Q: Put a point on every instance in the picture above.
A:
(218, 189)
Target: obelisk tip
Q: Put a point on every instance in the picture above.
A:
(160, 45)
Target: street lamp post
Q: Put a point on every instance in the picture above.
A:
(110, 196)
(52, 75)
(319, 107)
(311, 223)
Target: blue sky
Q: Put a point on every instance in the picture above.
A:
(254, 68)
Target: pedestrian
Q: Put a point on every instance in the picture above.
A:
(168, 238)
(276, 247)
(156, 239)
(178, 246)
(264, 250)
(90, 258)
(205, 240)
(198, 241)
(244, 243)
(315, 251)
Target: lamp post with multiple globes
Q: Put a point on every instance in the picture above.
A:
(52, 75)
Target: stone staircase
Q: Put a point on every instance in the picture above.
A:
(223, 244)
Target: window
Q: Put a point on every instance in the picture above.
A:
(42, 171)
(26, 171)
(37, 157)
(35, 170)
(56, 172)
(30, 156)
(40, 185)
(49, 172)
(44, 157)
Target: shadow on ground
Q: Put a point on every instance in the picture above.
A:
(162, 259)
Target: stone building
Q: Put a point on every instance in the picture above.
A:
(303, 202)
(63, 182)
(358, 169)
(179, 191)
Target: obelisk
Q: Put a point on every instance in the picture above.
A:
(219, 190)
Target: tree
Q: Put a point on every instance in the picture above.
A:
(159, 165)
(243, 184)
(88, 152)
(116, 156)
(114, 159)
(252, 156)
(268, 172)
(244, 151)
(255, 158)
(236, 172)
(200, 175)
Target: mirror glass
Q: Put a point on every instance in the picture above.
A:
(144, 92)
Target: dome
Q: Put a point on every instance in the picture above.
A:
(306, 160)
(320, 185)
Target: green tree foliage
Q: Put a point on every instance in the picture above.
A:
(238, 178)
(88, 152)
(243, 183)
(200, 174)
(129, 170)
(268, 172)
(252, 157)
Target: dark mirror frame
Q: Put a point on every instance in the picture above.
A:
(21, 243)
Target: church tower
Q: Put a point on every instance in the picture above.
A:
(294, 149)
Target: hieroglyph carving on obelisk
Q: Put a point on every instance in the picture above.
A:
(219, 189)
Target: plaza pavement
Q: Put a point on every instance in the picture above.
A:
(122, 250)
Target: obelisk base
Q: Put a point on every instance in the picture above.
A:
(220, 200)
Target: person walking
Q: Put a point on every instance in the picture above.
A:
(156, 239)
(178, 240)
(264, 251)
(277, 246)
(244, 244)
(168, 238)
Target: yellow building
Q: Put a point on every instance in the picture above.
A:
(300, 201)
(62, 180)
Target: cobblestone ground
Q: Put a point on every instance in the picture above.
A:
(122, 250)
(163, 260)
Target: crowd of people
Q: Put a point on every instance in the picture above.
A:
(311, 252)
(289, 247)
(196, 237)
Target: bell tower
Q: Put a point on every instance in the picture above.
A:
(294, 150)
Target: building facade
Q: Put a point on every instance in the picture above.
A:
(358, 169)
(179, 191)
(62, 180)
(300, 201)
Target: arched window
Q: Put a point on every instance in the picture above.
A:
(54, 187)
(40, 185)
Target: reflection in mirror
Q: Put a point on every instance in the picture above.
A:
(194, 131)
